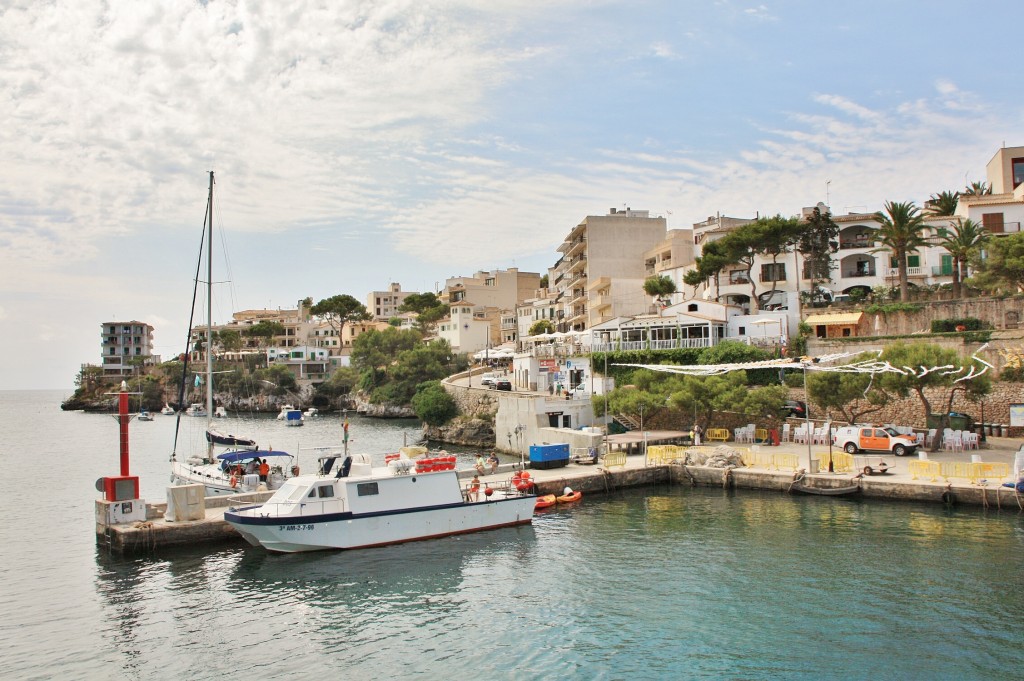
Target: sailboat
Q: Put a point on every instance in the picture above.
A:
(239, 468)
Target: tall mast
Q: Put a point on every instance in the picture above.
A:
(209, 311)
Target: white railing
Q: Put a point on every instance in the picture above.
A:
(671, 344)
(911, 272)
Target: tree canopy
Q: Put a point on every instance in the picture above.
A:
(541, 326)
(1002, 271)
(930, 355)
(818, 240)
(428, 308)
(340, 310)
(660, 287)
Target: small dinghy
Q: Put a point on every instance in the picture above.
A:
(569, 496)
(545, 501)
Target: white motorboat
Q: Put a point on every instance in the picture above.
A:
(290, 415)
(220, 413)
(144, 415)
(196, 409)
(238, 469)
(311, 413)
(362, 506)
(168, 410)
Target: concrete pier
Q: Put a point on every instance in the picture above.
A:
(896, 485)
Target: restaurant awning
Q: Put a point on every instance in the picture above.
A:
(843, 319)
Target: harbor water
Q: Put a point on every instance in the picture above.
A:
(658, 583)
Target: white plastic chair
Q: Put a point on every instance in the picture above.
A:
(800, 434)
(785, 432)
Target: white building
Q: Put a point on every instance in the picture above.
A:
(1002, 211)
(465, 331)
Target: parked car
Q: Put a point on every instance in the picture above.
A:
(503, 384)
(794, 409)
(854, 439)
(488, 380)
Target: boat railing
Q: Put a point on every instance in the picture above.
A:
(292, 509)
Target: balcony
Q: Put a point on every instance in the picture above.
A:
(941, 271)
(853, 274)
(911, 272)
(1003, 228)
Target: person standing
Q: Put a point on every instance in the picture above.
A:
(696, 434)
(264, 470)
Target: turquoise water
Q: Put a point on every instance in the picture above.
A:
(658, 583)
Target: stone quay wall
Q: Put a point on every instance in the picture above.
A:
(473, 402)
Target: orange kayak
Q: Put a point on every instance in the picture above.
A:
(569, 498)
(545, 501)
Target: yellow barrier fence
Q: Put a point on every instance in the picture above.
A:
(614, 459)
(781, 461)
(761, 458)
(924, 469)
(720, 434)
(841, 461)
(974, 471)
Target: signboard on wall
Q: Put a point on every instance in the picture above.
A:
(1017, 414)
(548, 365)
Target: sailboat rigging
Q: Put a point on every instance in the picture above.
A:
(238, 470)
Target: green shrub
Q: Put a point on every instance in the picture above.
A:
(433, 405)
(949, 325)
(1012, 374)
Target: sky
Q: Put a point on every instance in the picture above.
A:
(359, 143)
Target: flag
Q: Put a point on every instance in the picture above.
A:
(199, 380)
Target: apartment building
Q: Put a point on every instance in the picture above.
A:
(611, 246)
(492, 297)
(124, 345)
(383, 305)
(861, 264)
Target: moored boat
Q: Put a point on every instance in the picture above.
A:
(168, 410)
(825, 491)
(144, 415)
(290, 415)
(545, 501)
(362, 506)
(569, 496)
(196, 409)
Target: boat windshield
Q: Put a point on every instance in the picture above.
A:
(291, 491)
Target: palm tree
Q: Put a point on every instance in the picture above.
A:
(943, 203)
(901, 232)
(966, 237)
(977, 189)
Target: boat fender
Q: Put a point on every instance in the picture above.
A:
(295, 471)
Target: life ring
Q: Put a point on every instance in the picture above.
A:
(234, 482)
